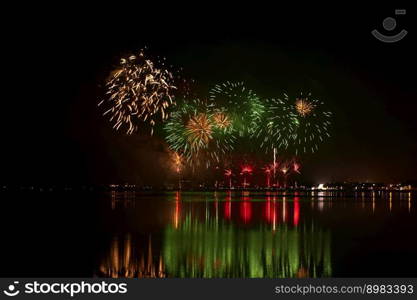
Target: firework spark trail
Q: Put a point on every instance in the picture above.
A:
(138, 92)
(177, 160)
(268, 169)
(296, 167)
(228, 173)
(275, 162)
(285, 168)
(246, 170)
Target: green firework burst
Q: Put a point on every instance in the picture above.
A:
(277, 128)
(243, 106)
(314, 121)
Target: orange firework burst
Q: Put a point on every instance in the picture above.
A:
(221, 120)
(303, 106)
(199, 129)
(177, 161)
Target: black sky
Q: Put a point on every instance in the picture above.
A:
(56, 62)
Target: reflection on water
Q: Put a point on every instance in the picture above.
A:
(217, 249)
(243, 235)
(126, 198)
(214, 247)
(126, 261)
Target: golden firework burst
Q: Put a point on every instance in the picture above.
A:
(221, 120)
(303, 106)
(199, 129)
(138, 92)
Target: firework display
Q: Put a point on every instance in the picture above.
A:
(138, 91)
(232, 122)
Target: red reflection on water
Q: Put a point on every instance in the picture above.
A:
(284, 210)
(271, 211)
(296, 210)
(268, 209)
(228, 206)
(274, 214)
(246, 209)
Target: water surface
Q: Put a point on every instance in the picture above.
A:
(257, 235)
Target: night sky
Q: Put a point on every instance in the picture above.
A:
(53, 132)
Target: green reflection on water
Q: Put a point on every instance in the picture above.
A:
(220, 249)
